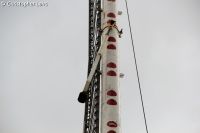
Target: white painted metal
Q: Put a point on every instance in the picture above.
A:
(110, 114)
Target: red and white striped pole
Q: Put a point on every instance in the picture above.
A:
(110, 114)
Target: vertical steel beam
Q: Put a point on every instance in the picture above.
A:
(91, 117)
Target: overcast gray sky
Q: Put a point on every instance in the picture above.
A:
(43, 66)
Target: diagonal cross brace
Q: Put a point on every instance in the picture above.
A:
(83, 95)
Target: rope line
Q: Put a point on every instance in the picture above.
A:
(136, 67)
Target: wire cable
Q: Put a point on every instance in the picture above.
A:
(136, 67)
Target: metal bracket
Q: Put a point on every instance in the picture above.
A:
(112, 25)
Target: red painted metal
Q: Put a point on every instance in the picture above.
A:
(112, 93)
(111, 39)
(111, 131)
(111, 46)
(111, 65)
(109, 21)
(111, 73)
(111, 15)
(111, 102)
(112, 124)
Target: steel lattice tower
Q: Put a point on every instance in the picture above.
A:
(91, 117)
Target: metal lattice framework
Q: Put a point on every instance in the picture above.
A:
(91, 118)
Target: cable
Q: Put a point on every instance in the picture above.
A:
(136, 67)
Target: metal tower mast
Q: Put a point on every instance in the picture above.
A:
(100, 93)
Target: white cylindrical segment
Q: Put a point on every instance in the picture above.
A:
(110, 114)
